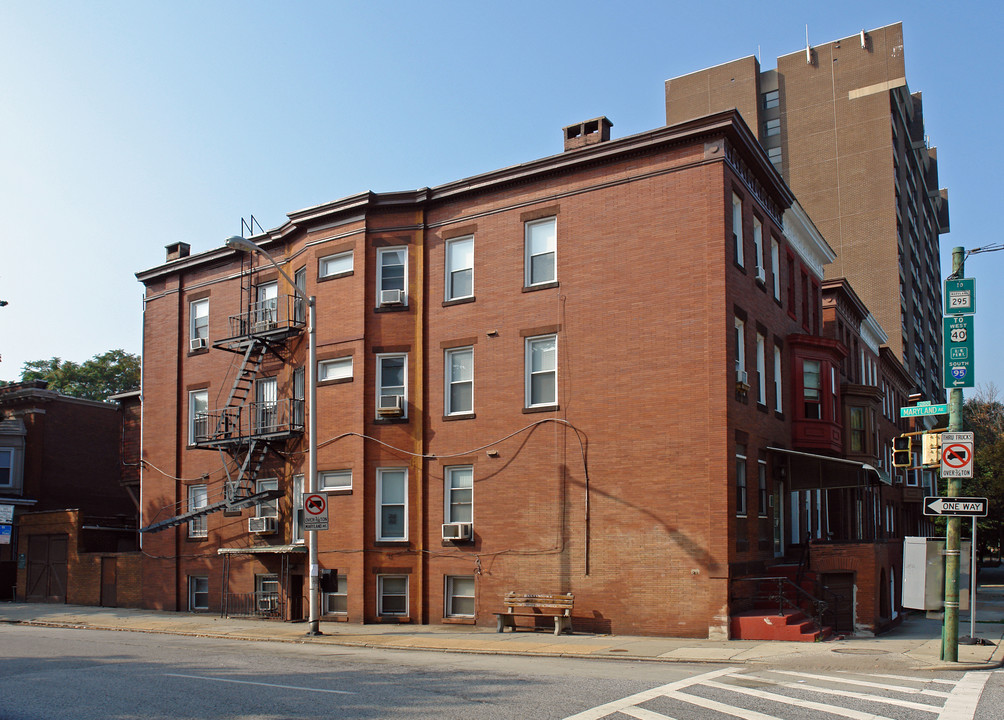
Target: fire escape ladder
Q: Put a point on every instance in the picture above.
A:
(242, 486)
(240, 391)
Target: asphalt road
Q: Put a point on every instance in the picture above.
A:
(65, 673)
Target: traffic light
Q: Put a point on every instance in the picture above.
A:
(902, 451)
(932, 449)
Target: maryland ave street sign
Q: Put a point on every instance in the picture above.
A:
(972, 507)
(921, 410)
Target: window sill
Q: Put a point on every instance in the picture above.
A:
(392, 619)
(459, 301)
(335, 276)
(203, 351)
(541, 409)
(457, 621)
(762, 407)
(391, 309)
(336, 381)
(459, 416)
(541, 286)
(336, 491)
(390, 421)
(391, 543)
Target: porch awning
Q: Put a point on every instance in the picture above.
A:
(810, 471)
(263, 549)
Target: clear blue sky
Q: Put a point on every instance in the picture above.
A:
(126, 126)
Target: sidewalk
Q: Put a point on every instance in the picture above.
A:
(915, 644)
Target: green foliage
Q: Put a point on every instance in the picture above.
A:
(107, 374)
(983, 414)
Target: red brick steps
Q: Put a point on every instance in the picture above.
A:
(791, 625)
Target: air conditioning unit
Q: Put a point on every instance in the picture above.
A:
(458, 531)
(265, 525)
(741, 377)
(761, 274)
(268, 603)
(197, 343)
(391, 406)
(391, 297)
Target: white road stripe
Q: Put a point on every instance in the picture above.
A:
(601, 711)
(720, 707)
(961, 704)
(864, 683)
(925, 681)
(863, 696)
(273, 685)
(786, 699)
(642, 714)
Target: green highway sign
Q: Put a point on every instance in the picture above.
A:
(960, 296)
(921, 410)
(958, 351)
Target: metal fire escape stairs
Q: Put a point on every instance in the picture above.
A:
(234, 428)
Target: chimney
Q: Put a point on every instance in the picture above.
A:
(178, 250)
(585, 133)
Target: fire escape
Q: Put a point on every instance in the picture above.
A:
(253, 421)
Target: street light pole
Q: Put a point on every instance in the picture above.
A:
(244, 245)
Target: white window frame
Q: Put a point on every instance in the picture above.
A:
(380, 505)
(742, 484)
(266, 304)
(334, 480)
(194, 590)
(737, 229)
(530, 373)
(266, 404)
(778, 380)
(381, 253)
(198, 403)
(464, 263)
(451, 594)
(530, 253)
(740, 340)
(345, 260)
(335, 369)
(342, 592)
(380, 386)
(198, 497)
(451, 382)
(761, 370)
(381, 594)
(758, 242)
(267, 508)
(198, 326)
(453, 478)
(775, 261)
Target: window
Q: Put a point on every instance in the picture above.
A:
(758, 243)
(459, 494)
(791, 284)
(772, 127)
(267, 508)
(392, 504)
(337, 602)
(300, 283)
(774, 155)
(460, 268)
(336, 369)
(198, 497)
(805, 302)
(199, 324)
(761, 468)
(541, 365)
(392, 273)
(298, 397)
(740, 347)
(778, 386)
(198, 416)
(737, 229)
(741, 480)
(775, 266)
(6, 467)
(392, 594)
(297, 529)
(770, 99)
(761, 371)
(266, 592)
(812, 389)
(337, 264)
(392, 371)
(858, 442)
(198, 592)
(541, 246)
(266, 309)
(460, 381)
(266, 406)
(335, 480)
(460, 596)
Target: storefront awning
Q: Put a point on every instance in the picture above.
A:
(263, 549)
(810, 471)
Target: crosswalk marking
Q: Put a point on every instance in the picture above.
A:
(809, 704)
(863, 696)
(642, 714)
(926, 681)
(864, 683)
(965, 697)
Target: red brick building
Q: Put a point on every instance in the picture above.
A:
(595, 373)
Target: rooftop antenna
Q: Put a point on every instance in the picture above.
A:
(864, 42)
(808, 50)
(250, 226)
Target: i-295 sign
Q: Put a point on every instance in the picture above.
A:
(959, 351)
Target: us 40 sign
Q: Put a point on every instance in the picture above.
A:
(958, 351)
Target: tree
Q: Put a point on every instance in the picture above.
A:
(983, 414)
(113, 372)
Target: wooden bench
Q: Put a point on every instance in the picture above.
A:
(517, 605)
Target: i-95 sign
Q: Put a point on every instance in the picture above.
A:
(958, 351)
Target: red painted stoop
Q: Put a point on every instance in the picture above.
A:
(791, 625)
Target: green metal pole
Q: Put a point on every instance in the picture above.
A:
(950, 648)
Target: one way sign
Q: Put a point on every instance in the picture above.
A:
(971, 507)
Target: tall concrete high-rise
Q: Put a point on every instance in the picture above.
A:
(840, 124)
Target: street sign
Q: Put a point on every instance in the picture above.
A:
(960, 296)
(6, 514)
(973, 507)
(921, 410)
(5, 533)
(958, 351)
(957, 455)
(315, 512)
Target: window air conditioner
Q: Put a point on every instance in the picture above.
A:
(741, 377)
(761, 274)
(265, 525)
(391, 297)
(458, 531)
(391, 406)
(268, 603)
(197, 343)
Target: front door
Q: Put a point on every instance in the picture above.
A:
(46, 568)
(109, 577)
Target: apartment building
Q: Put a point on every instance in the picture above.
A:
(839, 122)
(602, 372)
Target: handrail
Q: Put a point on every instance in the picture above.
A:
(781, 593)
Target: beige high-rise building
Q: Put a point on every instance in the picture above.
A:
(840, 124)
